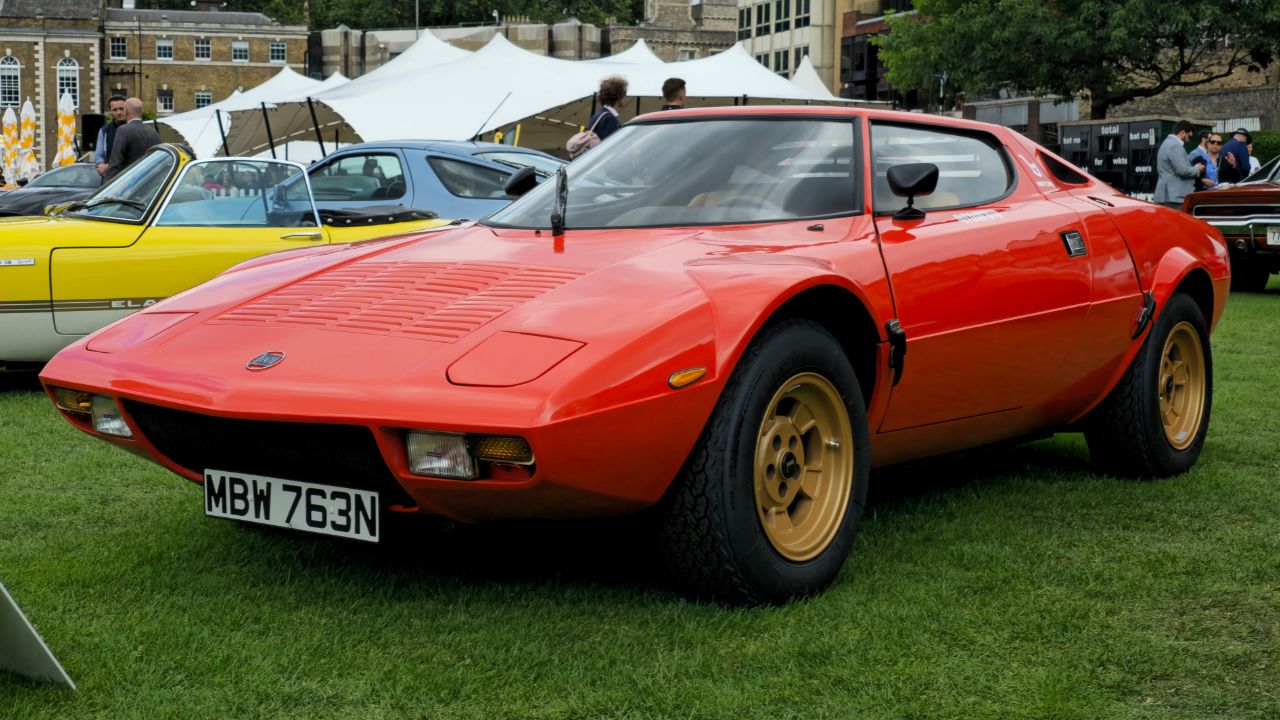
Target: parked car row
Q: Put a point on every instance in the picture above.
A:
(1248, 214)
(727, 315)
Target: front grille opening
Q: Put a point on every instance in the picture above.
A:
(341, 455)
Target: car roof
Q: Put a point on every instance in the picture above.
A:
(824, 111)
(452, 147)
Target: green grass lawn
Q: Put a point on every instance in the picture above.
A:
(1003, 584)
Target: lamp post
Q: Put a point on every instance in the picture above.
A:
(942, 84)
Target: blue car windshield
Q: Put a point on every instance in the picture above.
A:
(702, 172)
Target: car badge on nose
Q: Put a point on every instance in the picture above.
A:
(265, 361)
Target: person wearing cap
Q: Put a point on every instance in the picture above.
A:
(1233, 161)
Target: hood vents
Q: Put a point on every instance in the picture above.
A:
(435, 301)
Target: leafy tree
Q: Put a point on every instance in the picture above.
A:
(1113, 50)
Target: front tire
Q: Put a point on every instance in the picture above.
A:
(769, 502)
(1154, 422)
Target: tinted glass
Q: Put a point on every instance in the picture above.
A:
(971, 168)
(360, 177)
(239, 193)
(713, 171)
(469, 180)
(82, 176)
(130, 194)
(543, 165)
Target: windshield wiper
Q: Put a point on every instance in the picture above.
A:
(562, 203)
(116, 201)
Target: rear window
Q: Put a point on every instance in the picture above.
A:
(468, 180)
(972, 169)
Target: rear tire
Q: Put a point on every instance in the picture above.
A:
(1153, 423)
(769, 502)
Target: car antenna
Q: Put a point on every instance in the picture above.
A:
(561, 206)
(486, 120)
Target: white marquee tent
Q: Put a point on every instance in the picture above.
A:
(500, 86)
(199, 129)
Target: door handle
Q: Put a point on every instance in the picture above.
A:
(303, 236)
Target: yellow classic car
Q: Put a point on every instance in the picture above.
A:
(167, 223)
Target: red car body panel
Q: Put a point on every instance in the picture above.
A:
(571, 344)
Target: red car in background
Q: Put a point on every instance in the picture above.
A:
(732, 314)
(1248, 214)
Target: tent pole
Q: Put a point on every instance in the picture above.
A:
(270, 140)
(637, 104)
(316, 123)
(222, 131)
(593, 107)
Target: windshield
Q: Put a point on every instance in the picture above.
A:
(1266, 172)
(541, 165)
(82, 176)
(702, 172)
(130, 194)
(239, 193)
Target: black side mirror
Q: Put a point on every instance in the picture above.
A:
(521, 182)
(910, 180)
(22, 182)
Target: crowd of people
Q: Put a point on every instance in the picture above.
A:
(1213, 162)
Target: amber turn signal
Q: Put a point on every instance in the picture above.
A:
(686, 377)
(498, 449)
(75, 402)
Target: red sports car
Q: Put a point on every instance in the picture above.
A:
(732, 314)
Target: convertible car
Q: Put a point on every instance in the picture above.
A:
(165, 224)
(1248, 214)
(732, 338)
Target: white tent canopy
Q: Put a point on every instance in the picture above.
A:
(425, 52)
(502, 85)
(637, 54)
(806, 78)
(199, 128)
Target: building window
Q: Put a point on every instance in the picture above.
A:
(164, 49)
(164, 101)
(782, 62)
(204, 51)
(688, 54)
(69, 80)
(800, 53)
(240, 50)
(802, 13)
(762, 19)
(763, 59)
(119, 48)
(782, 13)
(744, 23)
(204, 98)
(277, 52)
(10, 81)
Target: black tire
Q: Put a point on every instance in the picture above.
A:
(1153, 425)
(718, 537)
(1249, 276)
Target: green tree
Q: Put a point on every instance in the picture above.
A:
(1113, 51)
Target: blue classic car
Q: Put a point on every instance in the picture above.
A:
(450, 178)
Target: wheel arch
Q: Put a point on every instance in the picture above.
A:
(843, 315)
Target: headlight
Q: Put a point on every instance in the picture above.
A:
(439, 455)
(107, 418)
(459, 457)
(75, 402)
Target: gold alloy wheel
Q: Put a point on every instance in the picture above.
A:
(803, 466)
(1182, 385)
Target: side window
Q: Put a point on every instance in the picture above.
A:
(468, 180)
(971, 168)
(360, 177)
(237, 193)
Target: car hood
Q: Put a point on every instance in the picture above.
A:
(37, 198)
(386, 324)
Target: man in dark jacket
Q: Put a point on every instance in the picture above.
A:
(133, 140)
(1233, 160)
(107, 134)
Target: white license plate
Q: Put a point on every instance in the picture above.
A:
(309, 507)
(1273, 235)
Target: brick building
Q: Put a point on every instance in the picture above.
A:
(48, 47)
(676, 30)
(179, 60)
